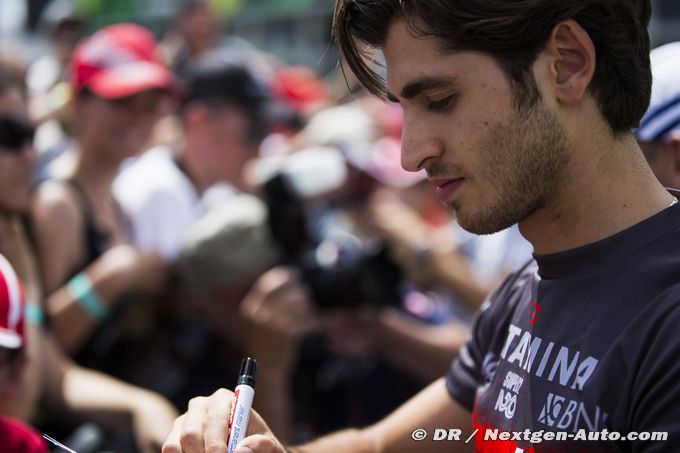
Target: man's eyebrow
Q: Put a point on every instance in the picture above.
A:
(415, 87)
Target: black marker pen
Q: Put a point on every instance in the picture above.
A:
(243, 401)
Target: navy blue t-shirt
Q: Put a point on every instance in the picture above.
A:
(587, 339)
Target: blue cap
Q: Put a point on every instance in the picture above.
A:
(663, 115)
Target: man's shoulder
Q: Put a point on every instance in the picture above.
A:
(499, 308)
(665, 307)
(509, 292)
(146, 177)
(149, 164)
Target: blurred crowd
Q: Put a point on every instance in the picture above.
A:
(171, 204)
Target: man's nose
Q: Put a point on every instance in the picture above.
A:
(418, 145)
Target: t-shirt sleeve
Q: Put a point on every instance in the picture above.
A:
(655, 405)
(466, 373)
(155, 226)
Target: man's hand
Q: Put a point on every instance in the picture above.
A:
(204, 428)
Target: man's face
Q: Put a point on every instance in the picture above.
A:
(229, 128)
(121, 127)
(492, 163)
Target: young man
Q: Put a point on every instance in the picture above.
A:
(223, 123)
(521, 112)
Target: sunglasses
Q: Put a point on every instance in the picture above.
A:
(14, 134)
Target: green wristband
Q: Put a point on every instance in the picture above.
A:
(80, 288)
(34, 314)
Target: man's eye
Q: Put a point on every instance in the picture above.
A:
(440, 105)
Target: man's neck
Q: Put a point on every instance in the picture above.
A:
(201, 175)
(610, 194)
(193, 171)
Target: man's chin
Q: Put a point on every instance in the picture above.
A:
(480, 223)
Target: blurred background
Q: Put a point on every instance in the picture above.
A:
(297, 31)
(215, 188)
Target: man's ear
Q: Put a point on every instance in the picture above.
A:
(674, 144)
(571, 55)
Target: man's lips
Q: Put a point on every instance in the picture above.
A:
(446, 188)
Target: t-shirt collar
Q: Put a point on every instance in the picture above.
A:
(588, 258)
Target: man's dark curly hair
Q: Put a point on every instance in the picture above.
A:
(514, 32)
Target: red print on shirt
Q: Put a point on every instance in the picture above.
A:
(534, 312)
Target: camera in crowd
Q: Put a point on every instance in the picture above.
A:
(340, 270)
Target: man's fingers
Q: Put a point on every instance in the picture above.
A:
(172, 442)
(203, 429)
(191, 436)
(259, 444)
(216, 421)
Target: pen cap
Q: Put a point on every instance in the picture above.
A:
(248, 372)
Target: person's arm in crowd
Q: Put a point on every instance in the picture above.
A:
(404, 338)
(94, 396)
(77, 306)
(276, 314)
(67, 388)
(15, 247)
(118, 271)
(397, 339)
(204, 427)
(59, 230)
(452, 270)
(424, 260)
(22, 400)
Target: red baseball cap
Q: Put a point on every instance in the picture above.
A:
(118, 61)
(301, 88)
(12, 307)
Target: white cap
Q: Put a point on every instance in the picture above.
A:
(663, 115)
